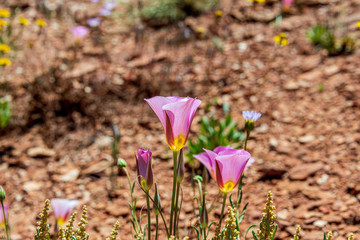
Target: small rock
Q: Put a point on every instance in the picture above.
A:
(306, 138)
(331, 70)
(71, 175)
(302, 172)
(32, 186)
(320, 223)
(333, 219)
(310, 62)
(323, 179)
(291, 86)
(273, 172)
(38, 152)
(104, 141)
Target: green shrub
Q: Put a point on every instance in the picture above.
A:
(324, 37)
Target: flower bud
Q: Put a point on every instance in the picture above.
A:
(116, 133)
(198, 178)
(204, 219)
(2, 194)
(157, 202)
(144, 168)
(180, 167)
(122, 163)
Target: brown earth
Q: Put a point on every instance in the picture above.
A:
(306, 144)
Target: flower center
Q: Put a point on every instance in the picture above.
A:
(228, 187)
(178, 143)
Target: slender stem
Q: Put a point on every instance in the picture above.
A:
(149, 219)
(173, 192)
(132, 200)
(204, 234)
(162, 216)
(247, 137)
(222, 209)
(157, 227)
(176, 216)
(6, 222)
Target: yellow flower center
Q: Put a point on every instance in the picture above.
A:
(178, 143)
(228, 187)
(60, 221)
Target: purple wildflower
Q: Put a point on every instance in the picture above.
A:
(104, 12)
(79, 32)
(93, 22)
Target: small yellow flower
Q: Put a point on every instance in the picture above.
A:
(260, 1)
(200, 30)
(4, 13)
(281, 39)
(23, 21)
(5, 62)
(358, 24)
(4, 48)
(218, 13)
(40, 22)
(3, 23)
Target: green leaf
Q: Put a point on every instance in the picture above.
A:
(249, 230)
(243, 212)
(254, 235)
(273, 236)
(197, 231)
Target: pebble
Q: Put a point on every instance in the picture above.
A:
(302, 172)
(306, 138)
(37, 152)
(70, 176)
(320, 223)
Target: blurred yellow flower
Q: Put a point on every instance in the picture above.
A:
(218, 13)
(200, 30)
(5, 62)
(4, 48)
(40, 22)
(281, 39)
(3, 23)
(23, 21)
(4, 13)
(358, 24)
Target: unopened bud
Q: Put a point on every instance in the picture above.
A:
(2, 194)
(204, 219)
(122, 163)
(116, 133)
(180, 167)
(198, 178)
(157, 202)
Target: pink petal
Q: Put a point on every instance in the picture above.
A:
(208, 160)
(231, 166)
(63, 207)
(181, 114)
(156, 103)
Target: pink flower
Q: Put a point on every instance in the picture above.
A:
(2, 220)
(176, 115)
(225, 165)
(62, 209)
(287, 3)
(79, 32)
(144, 168)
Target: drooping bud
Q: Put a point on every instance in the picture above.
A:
(180, 167)
(122, 163)
(198, 178)
(157, 202)
(116, 133)
(204, 219)
(2, 194)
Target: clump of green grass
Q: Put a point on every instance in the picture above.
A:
(323, 36)
(162, 12)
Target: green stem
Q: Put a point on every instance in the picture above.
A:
(204, 234)
(132, 200)
(149, 219)
(6, 222)
(201, 195)
(162, 216)
(157, 227)
(222, 209)
(173, 192)
(176, 208)
(247, 137)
